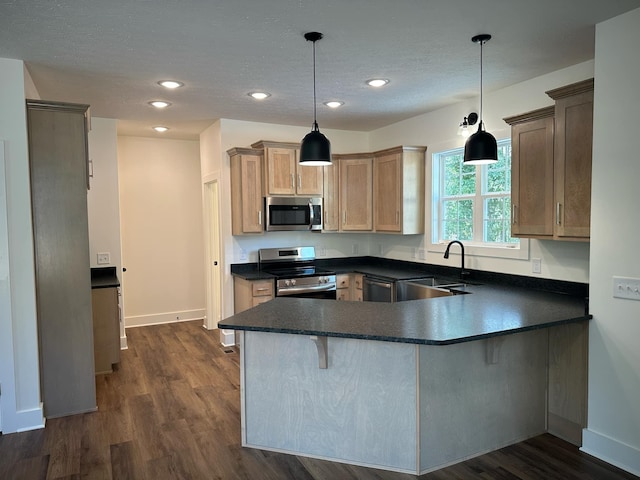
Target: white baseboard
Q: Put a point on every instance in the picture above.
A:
(164, 317)
(611, 451)
(227, 337)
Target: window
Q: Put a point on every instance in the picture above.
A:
(472, 203)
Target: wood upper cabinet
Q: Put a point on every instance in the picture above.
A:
(283, 175)
(532, 173)
(356, 192)
(331, 199)
(246, 191)
(572, 157)
(398, 190)
(551, 166)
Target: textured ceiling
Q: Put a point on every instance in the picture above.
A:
(111, 53)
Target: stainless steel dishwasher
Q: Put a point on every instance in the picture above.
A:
(378, 290)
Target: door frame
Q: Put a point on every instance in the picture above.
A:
(214, 265)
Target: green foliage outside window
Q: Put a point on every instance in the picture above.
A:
(483, 191)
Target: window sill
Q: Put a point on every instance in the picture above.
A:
(484, 250)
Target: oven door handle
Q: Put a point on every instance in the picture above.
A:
(319, 288)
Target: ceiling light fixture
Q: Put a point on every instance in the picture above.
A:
(259, 95)
(463, 129)
(481, 147)
(315, 148)
(334, 104)
(170, 84)
(160, 128)
(159, 104)
(377, 82)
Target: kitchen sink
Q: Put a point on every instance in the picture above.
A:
(428, 288)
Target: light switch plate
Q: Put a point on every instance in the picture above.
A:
(104, 258)
(626, 287)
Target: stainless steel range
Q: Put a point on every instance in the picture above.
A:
(296, 273)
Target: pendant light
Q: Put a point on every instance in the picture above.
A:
(481, 147)
(315, 148)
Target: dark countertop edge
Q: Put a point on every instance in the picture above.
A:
(368, 264)
(104, 277)
(413, 341)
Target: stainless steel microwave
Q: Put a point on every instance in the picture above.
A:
(293, 213)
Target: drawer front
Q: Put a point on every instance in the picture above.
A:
(262, 288)
(342, 281)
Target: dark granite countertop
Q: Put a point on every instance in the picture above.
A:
(104, 277)
(488, 311)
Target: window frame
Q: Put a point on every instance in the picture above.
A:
(472, 248)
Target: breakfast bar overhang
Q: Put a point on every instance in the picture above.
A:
(414, 386)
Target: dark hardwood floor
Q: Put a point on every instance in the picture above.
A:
(172, 411)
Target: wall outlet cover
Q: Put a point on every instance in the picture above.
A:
(104, 258)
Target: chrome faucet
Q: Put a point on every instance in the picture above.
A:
(463, 273)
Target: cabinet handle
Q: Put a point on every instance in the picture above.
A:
(513, 214)
(558, 213)
(263, 289)
(292, 184)
(299, 181)
(397, 217)
(259, 217)
(344, 217)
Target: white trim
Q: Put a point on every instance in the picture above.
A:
(164, 317)
(611, 451)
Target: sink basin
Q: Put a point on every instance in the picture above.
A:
(428, 288)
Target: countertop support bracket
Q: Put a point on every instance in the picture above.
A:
(493, 350)
(321, 345)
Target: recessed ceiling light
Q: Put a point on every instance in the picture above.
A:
(170, 84)
(334, 104)
(160, 128)
(259, 95)
(159, 104)
(377, 82)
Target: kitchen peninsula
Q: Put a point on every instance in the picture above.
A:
(411, 386)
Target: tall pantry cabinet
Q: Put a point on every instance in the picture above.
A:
(59, 181)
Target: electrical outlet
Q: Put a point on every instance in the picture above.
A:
(626, 287)
(104, 258)
(536, 265)
(380, 249)
(422, 254)
(243, 254)
(354, 249)
(321, 251)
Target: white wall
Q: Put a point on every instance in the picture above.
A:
(103, 203)
(19, 366)
(161, 226)
(613, 432)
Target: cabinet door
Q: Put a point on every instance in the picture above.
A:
(532, 178)
(331, 198)
(573, 145)
(356, 192)
(281, 171)
(246, 193)
(388, 193)
(309, 179)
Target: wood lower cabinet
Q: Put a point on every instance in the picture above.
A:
(247, 207)
(283, 175)
(58, 173)
(249, 293)
(551, 166)
(106, 328)
(356, 193)
(349, 287)
(398, 190)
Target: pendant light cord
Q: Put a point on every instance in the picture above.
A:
(480, 125)
(315, 121)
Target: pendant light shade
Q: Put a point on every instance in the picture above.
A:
(315, 148)
(481, 147)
